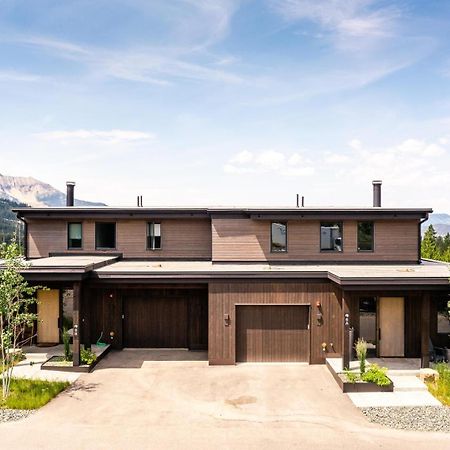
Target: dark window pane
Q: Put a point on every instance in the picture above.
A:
(105, 235)
(443, 316)
(368, 322)
(331, 236)
(365, 236)
(279, 237)
(75, 235)
(153, 236)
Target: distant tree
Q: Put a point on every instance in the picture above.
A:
(429, 244)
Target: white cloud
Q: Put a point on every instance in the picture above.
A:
(355, 144)
(18, 76)
(420, 148)
(269, 161)
(112, 136)
(334, 159)
(346, 18)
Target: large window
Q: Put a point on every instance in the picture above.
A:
(74, 235)
(278, 237)
(105, 235)
(331, 237)
(443, 315)
(153, 236)
(368, 323)
(365, 236)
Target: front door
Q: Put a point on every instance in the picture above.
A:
(48, 316)
(391, 331)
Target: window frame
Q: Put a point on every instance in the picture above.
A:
(341, 226)
(373, 236)
(68, 236)
(440, 333)
(285, 223)
(149, 236)
(115, 235)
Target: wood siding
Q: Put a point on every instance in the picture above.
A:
(272, 333)
(181, 238)
(235, 239)
(223, 298)
(152, 317)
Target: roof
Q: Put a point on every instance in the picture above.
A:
(195, 212)
(110, 268)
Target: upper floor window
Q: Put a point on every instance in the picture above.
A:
(331, 236)
(365, 237)
(105, 235)
(153, 236)
(74, 235)
(278, 237)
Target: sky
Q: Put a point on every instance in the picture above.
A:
(229, 102)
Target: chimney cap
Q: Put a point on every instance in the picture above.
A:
(377, 182)
(70, 183)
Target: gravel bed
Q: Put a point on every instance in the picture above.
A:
(9, 415)
(418, 418)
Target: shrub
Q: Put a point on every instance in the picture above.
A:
(352, 377)
(376, 374)
(87, 356)
(361, 353)
(441, 387)
(66, 342)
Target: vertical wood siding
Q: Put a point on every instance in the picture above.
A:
(223, 298)
(235, 239)
(181, 238)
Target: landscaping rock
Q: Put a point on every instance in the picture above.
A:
(9, 415)
(428, 375)
(417, 418)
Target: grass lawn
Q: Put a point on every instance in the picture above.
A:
(441, 388)
(32, 394)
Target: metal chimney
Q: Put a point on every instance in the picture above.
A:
(70, 198)
(376, 193)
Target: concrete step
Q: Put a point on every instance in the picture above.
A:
(404, 383)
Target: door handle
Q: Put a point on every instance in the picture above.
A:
(379, 334)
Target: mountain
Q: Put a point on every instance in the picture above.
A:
(440, 222)
(33, 192)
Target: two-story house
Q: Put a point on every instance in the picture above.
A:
(247, 284)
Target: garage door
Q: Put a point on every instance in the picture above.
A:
(155, 322)
(269, 333)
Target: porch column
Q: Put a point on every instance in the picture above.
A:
(346, 330)
(425, 330)
(76, 322)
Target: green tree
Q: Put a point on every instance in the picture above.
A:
(16, 317)
(429, 245)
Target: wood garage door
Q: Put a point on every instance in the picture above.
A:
(155, 322)
(272, 333)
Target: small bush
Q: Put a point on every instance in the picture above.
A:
(352, 377)
(361, 353)
(87, 356)
(441, 387)
(376, 374)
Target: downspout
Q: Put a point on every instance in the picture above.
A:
(419, 249)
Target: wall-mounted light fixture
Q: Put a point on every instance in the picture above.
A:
(319, 314)
(227, 320)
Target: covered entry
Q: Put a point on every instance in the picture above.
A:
(272, 333)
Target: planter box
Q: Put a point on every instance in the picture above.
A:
(56, 362)
(359, 386)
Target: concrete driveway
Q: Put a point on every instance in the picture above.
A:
(134, 401)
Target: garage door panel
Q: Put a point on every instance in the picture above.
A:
(154, 322)
(266, 333)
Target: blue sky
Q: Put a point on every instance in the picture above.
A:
(225, 102)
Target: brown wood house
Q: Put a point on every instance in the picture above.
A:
(247, 284)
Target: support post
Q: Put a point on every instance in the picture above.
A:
(425, 330)
(76, 322)
(346, 350)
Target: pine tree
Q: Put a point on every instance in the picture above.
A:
(429, 245)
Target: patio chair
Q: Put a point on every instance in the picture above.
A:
(437, 354)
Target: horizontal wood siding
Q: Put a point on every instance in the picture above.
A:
(235, 239)
(181, 238)
(223, 298)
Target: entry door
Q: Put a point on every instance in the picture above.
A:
(48, 316)
(391, 326)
